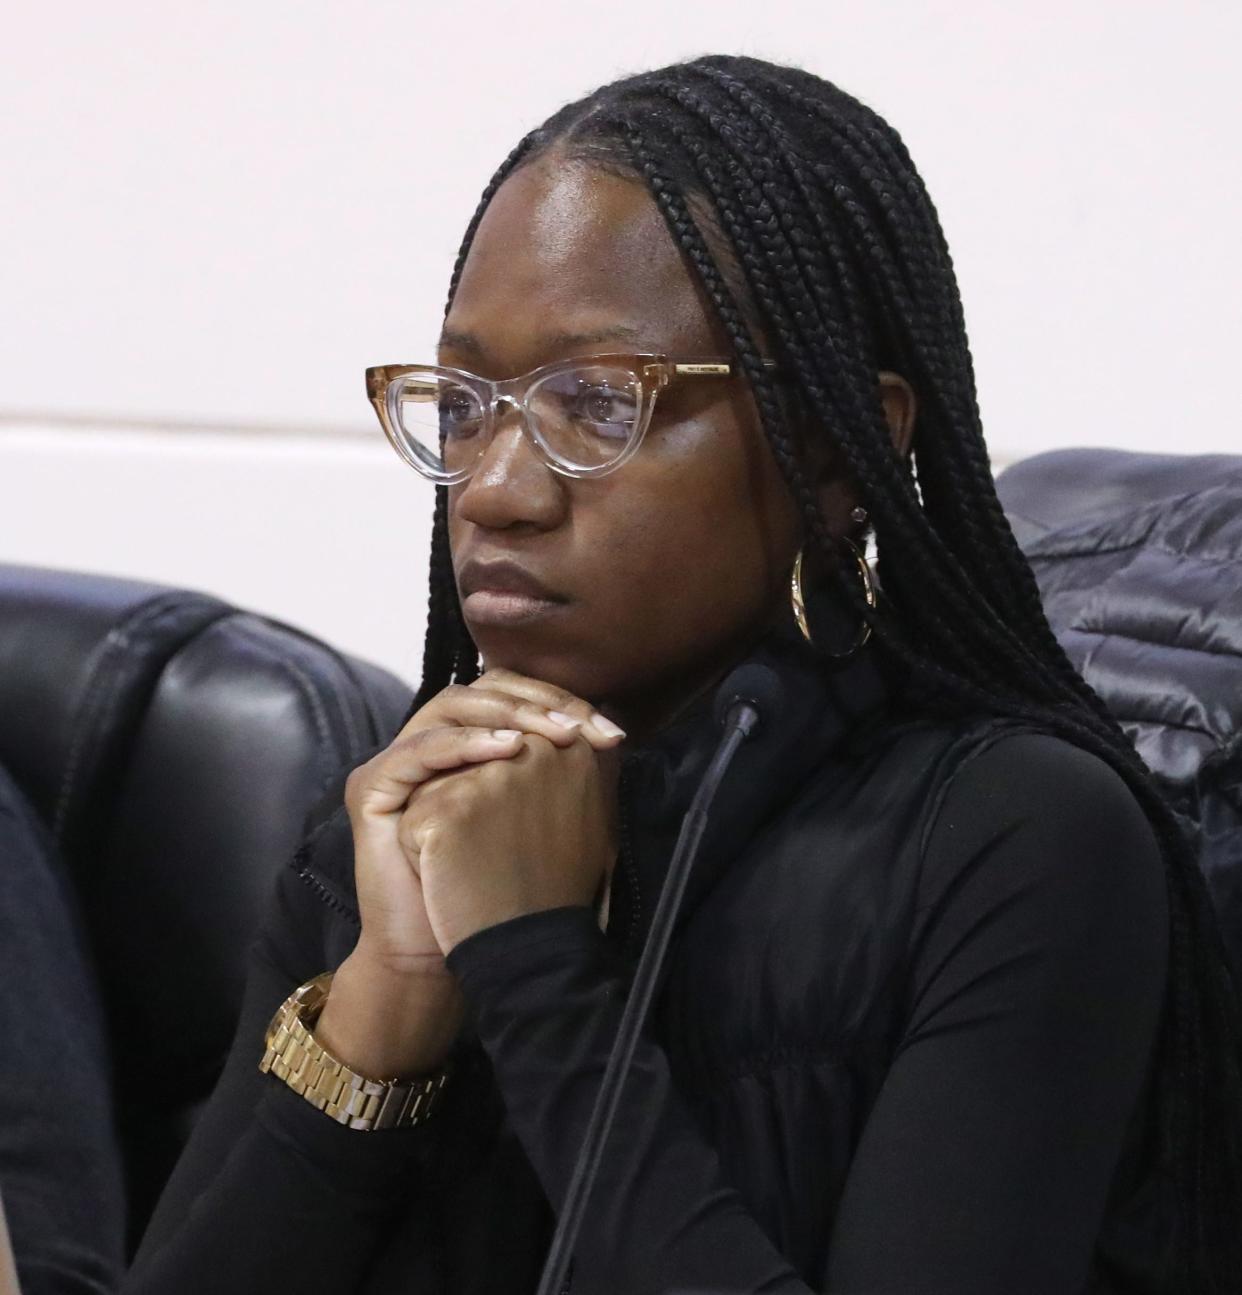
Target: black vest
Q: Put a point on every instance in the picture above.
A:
(809, 876)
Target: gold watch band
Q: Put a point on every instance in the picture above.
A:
(293, 1055)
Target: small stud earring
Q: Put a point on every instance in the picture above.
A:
(859, 515)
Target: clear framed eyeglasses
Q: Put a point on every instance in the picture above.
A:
(585, 417)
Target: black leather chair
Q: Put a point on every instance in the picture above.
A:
(174, 745)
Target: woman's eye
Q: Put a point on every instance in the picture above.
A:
(611, 409)
(459, 414)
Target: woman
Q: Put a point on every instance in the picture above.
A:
(945, 1010)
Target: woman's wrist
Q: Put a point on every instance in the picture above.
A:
(387, 1024)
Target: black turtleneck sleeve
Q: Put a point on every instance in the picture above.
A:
(270, 1194)
(1037, 965)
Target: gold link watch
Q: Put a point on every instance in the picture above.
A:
(331, 1086)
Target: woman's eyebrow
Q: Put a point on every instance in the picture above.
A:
(453, 339)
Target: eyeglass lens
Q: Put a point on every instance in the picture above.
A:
(584, 417)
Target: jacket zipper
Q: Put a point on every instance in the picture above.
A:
(625, 862)
(332, 901)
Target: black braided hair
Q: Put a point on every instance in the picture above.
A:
(845, 270)
(449, 654)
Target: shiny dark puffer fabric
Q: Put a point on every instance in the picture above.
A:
(1139, 561)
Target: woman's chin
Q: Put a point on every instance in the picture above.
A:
(577, 672)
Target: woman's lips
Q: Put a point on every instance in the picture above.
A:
(503, 607)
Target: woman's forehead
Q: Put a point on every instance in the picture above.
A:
(575, 249)
(560, 207)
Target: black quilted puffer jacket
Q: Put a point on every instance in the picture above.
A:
(1139, 560)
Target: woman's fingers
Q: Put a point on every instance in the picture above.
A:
(383, 785)
(542, 709)
(553, 701)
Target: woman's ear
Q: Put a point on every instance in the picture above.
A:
(900, 408)
(837, 498)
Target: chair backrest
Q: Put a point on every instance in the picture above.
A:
(174, 745)
(1139, 564)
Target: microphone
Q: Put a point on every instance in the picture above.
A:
(750, 698)
(757, 688)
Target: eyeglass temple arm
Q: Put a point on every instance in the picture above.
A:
(721, 370)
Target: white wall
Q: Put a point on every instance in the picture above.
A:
(329, 534)
(215, 215)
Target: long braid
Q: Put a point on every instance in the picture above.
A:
(1012, 584)
(881, 158)
(438, 647)
(449, 653)
(934, 371)
(846, 264)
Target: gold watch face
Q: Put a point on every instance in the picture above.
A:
(308, 1000)
(274, 1025)
(305, 1002)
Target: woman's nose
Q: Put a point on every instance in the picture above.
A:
(511, 483)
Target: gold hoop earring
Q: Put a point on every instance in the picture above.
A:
(799, 602)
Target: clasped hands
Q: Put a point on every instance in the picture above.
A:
(496, 799)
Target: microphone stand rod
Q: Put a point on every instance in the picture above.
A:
(743, 718)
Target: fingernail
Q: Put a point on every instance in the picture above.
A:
(505, 734)
(606, 726)
(565, 721)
